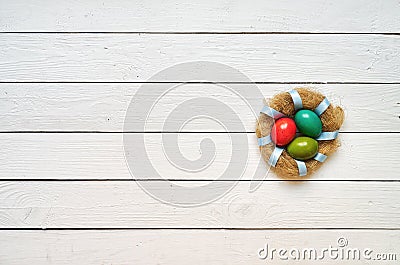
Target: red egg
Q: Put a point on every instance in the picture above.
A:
(283, 131)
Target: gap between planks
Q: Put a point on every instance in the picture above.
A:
(202, 32)
(203, 82)
(168, 132)
(197, 228)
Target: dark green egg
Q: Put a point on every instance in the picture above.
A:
(303, 148)
(308, 123)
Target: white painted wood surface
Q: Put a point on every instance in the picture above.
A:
(195, 246)
(282, 204)
(60, 64)
(200, 16)
(101, 156)
(137, 57)
(102, 107)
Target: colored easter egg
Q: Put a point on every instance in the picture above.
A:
(303, 148)
(283, 131)
(308, 123)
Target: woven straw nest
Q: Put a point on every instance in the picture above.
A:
(332, 119)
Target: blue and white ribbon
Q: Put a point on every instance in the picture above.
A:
(320, 157)
(273, 159)
(302, 168)
(264, 140)
(272, 112)
(298, 103)
(327, 136)
(322, 107)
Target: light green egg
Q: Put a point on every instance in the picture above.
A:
(303, 148)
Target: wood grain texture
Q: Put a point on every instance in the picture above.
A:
(200, 16)
(185, 246)
(101, 156)
(281, 204)
(137, 57)
(102, 107)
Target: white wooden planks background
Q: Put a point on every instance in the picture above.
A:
(122, 204)
(68, 71)
(100, 156)
(262, 57)
(195, 246)
(102, 107)
(200, 16)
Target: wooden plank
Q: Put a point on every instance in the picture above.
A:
(200, 16)
(189, 246)
(101, 156)
(317, 204)
(137, 57)
(102, 107)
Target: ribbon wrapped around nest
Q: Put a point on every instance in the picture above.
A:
(287, 104)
